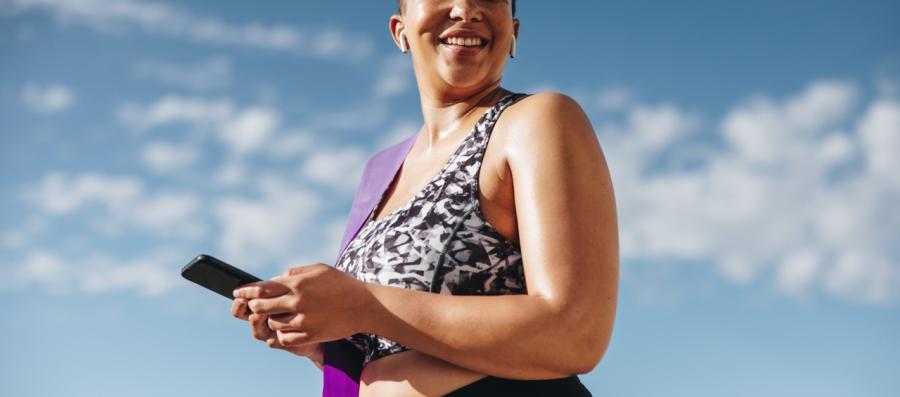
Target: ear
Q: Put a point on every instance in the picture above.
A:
(396, 27)
(516, 27)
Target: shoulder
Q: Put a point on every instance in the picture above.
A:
(555, 99)
(547, 119)
(547, 105)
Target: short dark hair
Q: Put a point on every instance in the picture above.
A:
(400, 6)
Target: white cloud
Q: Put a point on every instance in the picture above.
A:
(336, 43)
(120, 16)
(656, 126)
(614, 98)
(399, 131)
(149, 276)
(45, 268)
(799, 191)
(232, 173)
(165, 158)
(201, 113)
(820, 105)
(363, 115)
(863, 276)
(49, 98)
(244, 130)
(249, 129)
(765, 132)
(122, 201)
(292, 143)
(169, 213)
(798, 270)
(645, 132)
(59, 194)
(212, 73)
(273, 227)
(395, 76)
(340, 168)
(879, 130)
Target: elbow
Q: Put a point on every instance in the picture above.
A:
(591, 344)
(589, 351)
(587, 336)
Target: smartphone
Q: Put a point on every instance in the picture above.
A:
(217, 276)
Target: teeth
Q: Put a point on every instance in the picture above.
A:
(464, 41)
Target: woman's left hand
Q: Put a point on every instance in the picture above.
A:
(321, 303)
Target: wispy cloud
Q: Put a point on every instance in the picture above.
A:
(798, 191)
(242, 129)
(614, 98)
(119, 16)
(249, 129)
(254, 231)
(207, 74)
(399, 131)
(49, 98)
(200, 113)
(148, 276)
(164, 157)
(121, 200)
(339, 168)
(394, 77)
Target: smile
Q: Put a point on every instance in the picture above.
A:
(464, 41)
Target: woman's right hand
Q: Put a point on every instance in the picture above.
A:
(259, 326)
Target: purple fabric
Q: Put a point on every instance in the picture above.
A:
(342, 360)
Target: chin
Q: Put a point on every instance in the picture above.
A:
(462, 78)
(463, 83)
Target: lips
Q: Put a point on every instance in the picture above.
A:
(463, 38)
(464, 41)
(458, 50)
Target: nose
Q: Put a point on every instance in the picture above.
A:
(466, 10)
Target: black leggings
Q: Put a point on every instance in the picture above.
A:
(494, 386)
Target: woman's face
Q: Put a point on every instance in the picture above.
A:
(442, 40)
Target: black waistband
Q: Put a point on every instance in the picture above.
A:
(494, 386)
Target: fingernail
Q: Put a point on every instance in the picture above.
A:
(236, 293)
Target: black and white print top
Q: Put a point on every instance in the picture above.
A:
(439, 241)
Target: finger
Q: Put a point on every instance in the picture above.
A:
(292, 338)
(261, 289)
(287, 322)
(259, 328)
(274, 343)
(270, 306)
(239, 308)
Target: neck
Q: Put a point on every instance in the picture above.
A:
(446, 113)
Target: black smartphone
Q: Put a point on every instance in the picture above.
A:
(216, 275)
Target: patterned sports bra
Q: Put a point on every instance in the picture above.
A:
(439, 241)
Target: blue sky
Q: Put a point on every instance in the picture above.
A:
(752, 145)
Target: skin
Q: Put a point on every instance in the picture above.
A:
(544, 183)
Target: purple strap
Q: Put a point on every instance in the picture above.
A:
(342, 360)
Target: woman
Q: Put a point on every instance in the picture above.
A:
(460, 229)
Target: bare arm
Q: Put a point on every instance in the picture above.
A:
(568, 233)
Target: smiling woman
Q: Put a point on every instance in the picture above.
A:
(486, 261)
